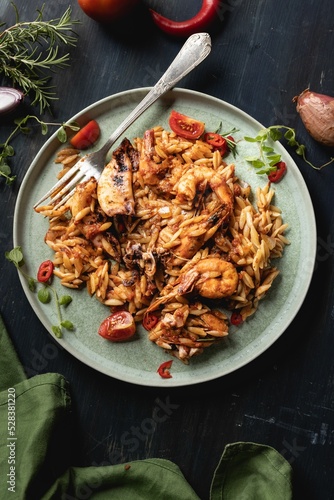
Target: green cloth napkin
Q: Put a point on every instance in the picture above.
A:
(35, 456)
(251, 471)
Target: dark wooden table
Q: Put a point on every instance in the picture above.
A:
(264, 53)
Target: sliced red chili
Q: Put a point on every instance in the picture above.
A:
(219, 142)
(215, 140)
(149, 321)
(45, 271)
(236, 319)
(205, 16)
(280, 171)
(163, 369)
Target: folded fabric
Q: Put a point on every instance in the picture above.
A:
(251, 471)
(11, 370)
(35, 452)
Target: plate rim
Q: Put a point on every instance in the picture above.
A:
(172, 382)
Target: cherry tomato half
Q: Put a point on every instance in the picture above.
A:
(86, 136)
(186, 127)
(280, 171)
(106, 11)
(118, 327)
(149, 321)
(45, 271)
(163, 369)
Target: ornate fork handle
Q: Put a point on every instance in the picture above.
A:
(194, 51)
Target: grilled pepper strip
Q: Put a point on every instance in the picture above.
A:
(196, 24)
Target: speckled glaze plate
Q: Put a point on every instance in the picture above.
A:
(137, 361)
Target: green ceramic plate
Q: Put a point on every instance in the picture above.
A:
(137, 361)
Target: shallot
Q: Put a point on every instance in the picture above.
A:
(317, 114)
(9, 99)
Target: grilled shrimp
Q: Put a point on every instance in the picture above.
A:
(175, 172)
(185, 241)
(212, 278)
(194, 183)
(149, 170)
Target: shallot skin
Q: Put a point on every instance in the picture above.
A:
(9, 99)
(317, 113)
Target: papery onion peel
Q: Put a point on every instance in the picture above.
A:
(317, 114)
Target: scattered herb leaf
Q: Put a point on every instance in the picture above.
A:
(65, 300)
(67, 324)
(268, 158)
(6, 150)
(15, 256)
(44, 293)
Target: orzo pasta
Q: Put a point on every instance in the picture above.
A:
(179, 239)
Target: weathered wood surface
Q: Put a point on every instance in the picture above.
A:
(264, 53)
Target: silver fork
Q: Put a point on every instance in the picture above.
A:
(192, 53)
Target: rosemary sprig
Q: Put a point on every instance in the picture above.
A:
(28, 49)
(7, 150)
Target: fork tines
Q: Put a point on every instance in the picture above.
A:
(64, 185)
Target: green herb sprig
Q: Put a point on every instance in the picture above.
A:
(232, 145)
(44, 294)
(7, 150)
(265, 162)
(29, 49)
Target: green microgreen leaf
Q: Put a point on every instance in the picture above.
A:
(62, 135)
(57, 331)
(44, 128)
(15, 256)
(250, 159)
(258, 164)
(68, 325)
(250, 139)
(268, 157)
(44, 293)
(275, 134)
(28, 51)
(6, 150)
(65, 300)
(32, 284)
